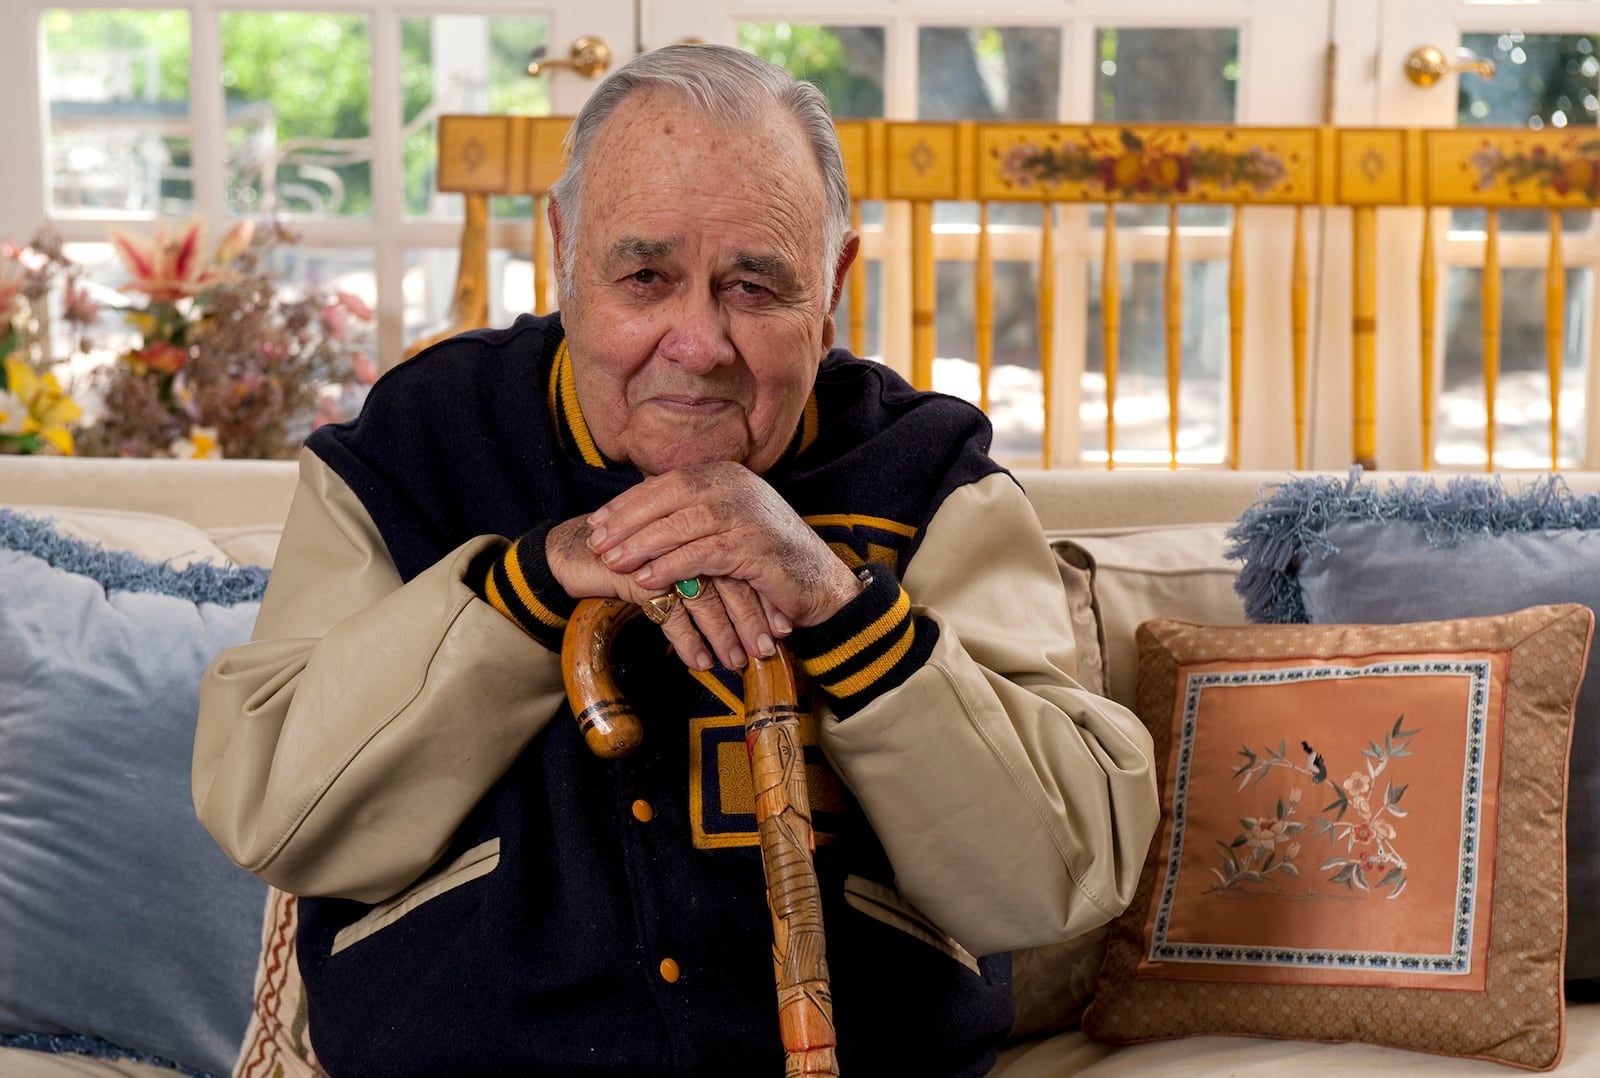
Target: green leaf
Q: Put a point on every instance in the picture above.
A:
(1332, 862)
(1392, 794)
(1397, 732)
(1341, 803)
(1289, 869)
(1393, 875)
(1343, 875)
(1280, 808)
(1240, 841)
(1130, 141)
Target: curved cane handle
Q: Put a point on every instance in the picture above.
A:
(783, 816)
(607, 721)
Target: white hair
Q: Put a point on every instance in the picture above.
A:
(728, 85)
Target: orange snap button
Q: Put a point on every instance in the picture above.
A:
(669, 971)
(643, 812)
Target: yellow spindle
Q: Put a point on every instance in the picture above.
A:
(541, 258)
(858, 290)
(1364, 341)
(1491, 330)
(1047, 320)
(1299, 292)
(1111, 327)
(1428, 298)
(922, 295)
(1174, 300)
(1555, 304)
(983, 306)
(1235, 336)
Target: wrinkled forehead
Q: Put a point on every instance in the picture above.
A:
(653, 128)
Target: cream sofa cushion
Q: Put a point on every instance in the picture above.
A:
(1171, 572)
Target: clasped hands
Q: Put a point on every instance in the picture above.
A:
(766, 572)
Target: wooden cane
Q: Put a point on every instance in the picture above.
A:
(783, 814)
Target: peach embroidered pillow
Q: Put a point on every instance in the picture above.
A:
(1361, 839)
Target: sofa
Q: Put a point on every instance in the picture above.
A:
(128, 948)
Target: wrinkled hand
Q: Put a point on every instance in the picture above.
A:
(766, 569)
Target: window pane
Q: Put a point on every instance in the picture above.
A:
(1142, 366)
(298, 94)
(1522, 405)
(988, 73)
(1162, 75)
(117, 83)
(442, 60)
(845, 62)
(1541, 81)
(428, 285)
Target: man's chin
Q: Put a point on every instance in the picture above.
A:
(686, 453)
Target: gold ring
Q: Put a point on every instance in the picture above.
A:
(658, 608)
(692, 588)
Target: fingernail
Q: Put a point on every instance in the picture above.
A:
(780, 624)
(702, 661)
(598, 516)
(610, 556)
(596, 537)
(765, 645)
(736, 658)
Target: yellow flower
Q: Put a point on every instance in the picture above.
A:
(49, 410)
(200, 444)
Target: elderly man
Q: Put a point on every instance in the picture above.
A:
(486, 897)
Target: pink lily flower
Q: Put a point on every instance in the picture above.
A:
(170, 268)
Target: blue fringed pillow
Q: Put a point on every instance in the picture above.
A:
(124, 930)
(1331, 551)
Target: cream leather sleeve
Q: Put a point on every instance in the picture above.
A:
(338, 751)
(1016, 806)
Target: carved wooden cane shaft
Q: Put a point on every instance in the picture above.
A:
(783, 815)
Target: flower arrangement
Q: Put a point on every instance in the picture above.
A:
(227, 362)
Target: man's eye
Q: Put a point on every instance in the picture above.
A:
(646, 276)
(749, 288)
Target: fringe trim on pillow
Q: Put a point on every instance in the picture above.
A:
(80, 1045)
(121, 570)
(1289, 524)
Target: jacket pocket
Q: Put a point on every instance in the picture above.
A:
(479, 861)
(884, 904)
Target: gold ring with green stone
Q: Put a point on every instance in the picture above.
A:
(690, 588)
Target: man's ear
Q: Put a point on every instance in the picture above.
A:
(847, 257)
(558, 238)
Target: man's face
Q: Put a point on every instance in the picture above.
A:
(699, 307)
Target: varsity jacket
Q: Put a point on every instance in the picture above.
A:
(486, 897)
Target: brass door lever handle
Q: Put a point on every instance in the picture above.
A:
(1426, 65)
(590, 58)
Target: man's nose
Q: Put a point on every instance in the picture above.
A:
(698, 340)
